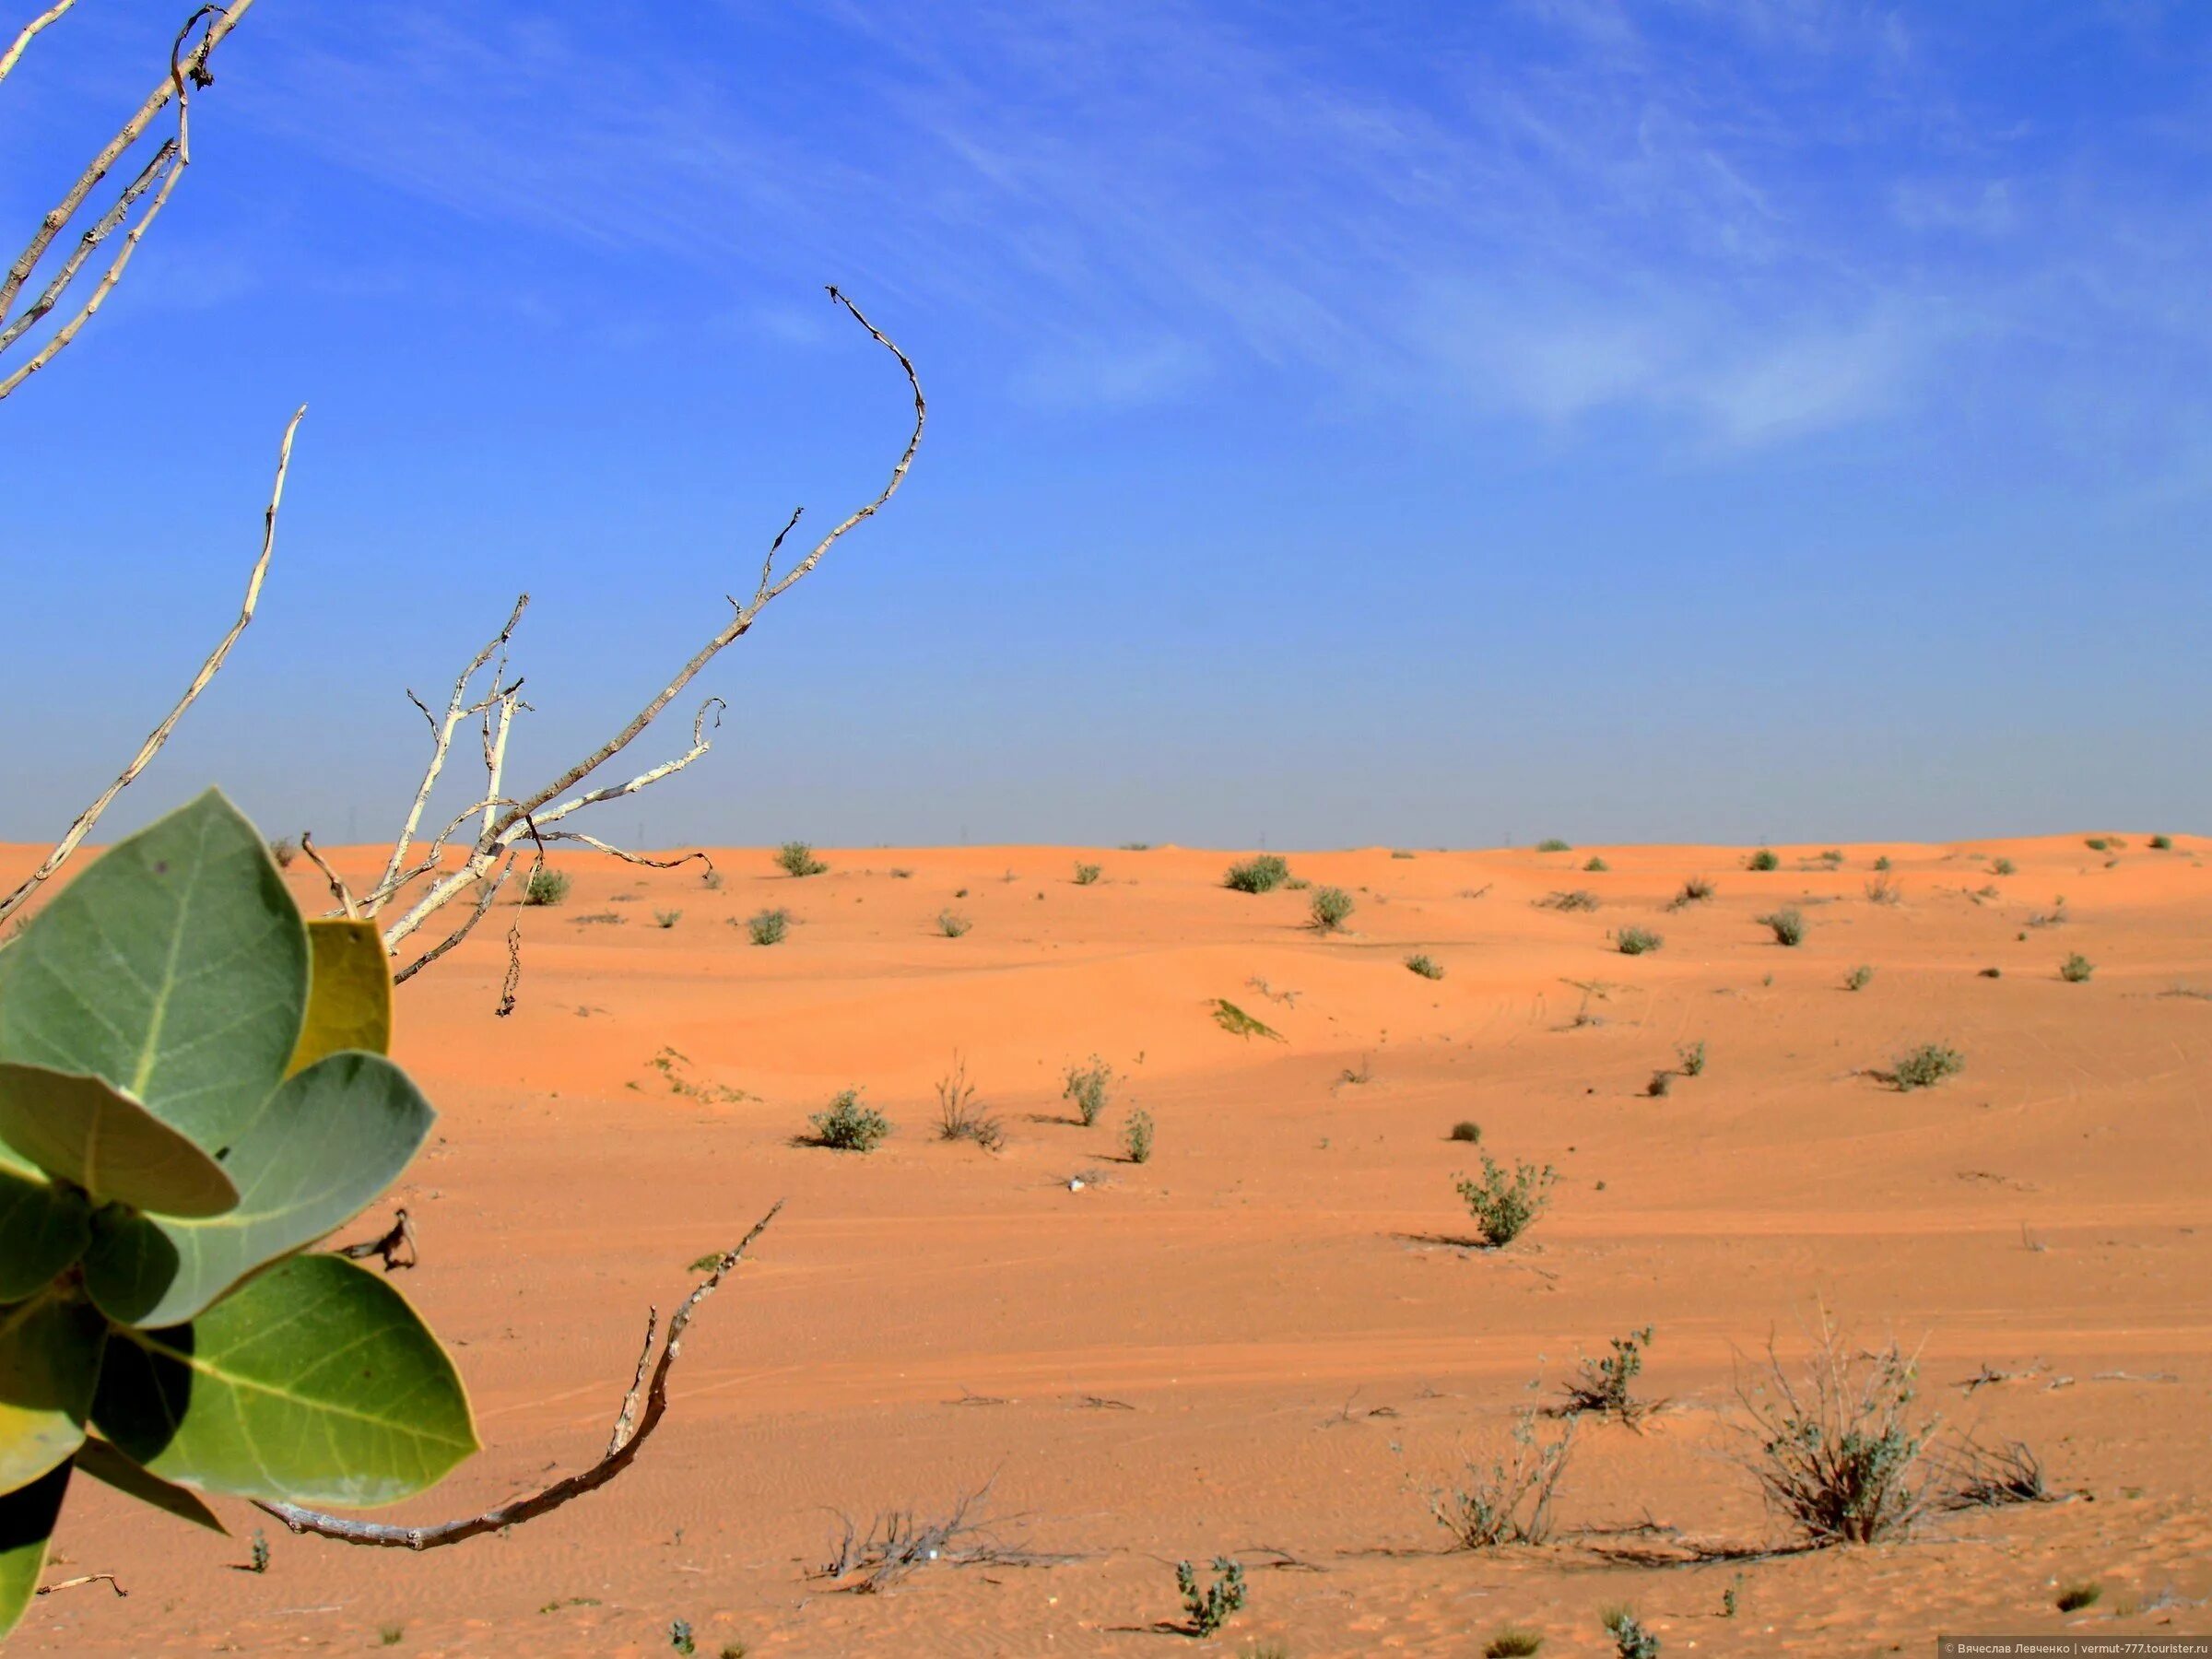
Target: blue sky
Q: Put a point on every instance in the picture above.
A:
(1349, 424)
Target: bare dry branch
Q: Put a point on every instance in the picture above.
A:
(338, 890)
(31, 29)
(214, 22)
(152, 745)
(108, 1579)
(622, 1451)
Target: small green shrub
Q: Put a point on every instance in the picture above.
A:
(961, 1115)
(546, 886)
(2158, 843)
(2001, 866)
(1510, 1501)
(1604, 1383)
(1238, 1023)
(1697, 889)
(900, 873)
(1328, 909)
(1859, 978)
(1426, 966)
(1882, 890)
(1212, 1608)
(1570, 902)
(952, 926)
(1630, 1639)
(1992, 973)
(667, 918)
(1832, 856)
(1597, 866)
(1882, 862)
(1925, 1066)
(1136, 846)
(1636, 941)
(1467, 1130)
(2076, 969)
(2098, 843)
(1514, 1642)
(849, 1126)
(797, 858)
(2080, 1594)
(681, 1639)
(1260, 873)
(768, 926)
(1088, 1087)
(1504, 1205)
(1088, 874)
(1552, 843)
(1136, 1136)
(1787, 924)
(1763, 860)
(1400, 852)
(1691, 1058)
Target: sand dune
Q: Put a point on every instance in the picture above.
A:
(1271, 1340)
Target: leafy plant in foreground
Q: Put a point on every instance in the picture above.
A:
(797, 858)
(1504, 1205)
(1212, 1608)
(192, 1090)
(1088, 1087)
(848, 1126)
(1329, 908)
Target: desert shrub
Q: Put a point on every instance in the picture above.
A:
(1882, 862)
(768, 926)
(1088, 874)
(546, 886)
(2076, 969)
(2161, 843)
(952, 926)
(1597, 866)
(1503, 1206)
(1660, 1085)
(900, 873)
(1882, 890)
(1238, 1023)
(1514, 1642)
(1837, 1452)
(1426, 966)
(1786, 924)
(849, 1126)
(1691, 1058)
(1859, 978)
(283, 850)
(1400, 852)
(1992, 973)
(1263, 873)
(961, 1115)
(1697, 889)
(1630, 1639)
(2053, 917)
(1136, 1136)
(1136, 846)
(1088, 1087)
(1764, 859)
(1552, 843)
(1994, 1476)
(1570, 902)
(1636, 941)
(158, 1187)
(1509, 1501)
(667, 918)
(797, 858)
(1832, 856)
(1925, 1066)
(2001, 866)
(1210, 1608)
(1604, 1383)
(681, 1639)
(2082, 1593)
(2098, 843)
(1328, 909)
(1467, 1130)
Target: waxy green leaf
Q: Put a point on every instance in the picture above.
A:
(27, 1517)
(175, 968)
(78, 1129)
(348, 993)
(326, 1142)
(103, 1462)
(50, 1351)
(312, 1382)
(42, 1229)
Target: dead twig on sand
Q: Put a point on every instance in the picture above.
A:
(397, 1248)
(89, 1578)
(900, 1540)
(634, 1425)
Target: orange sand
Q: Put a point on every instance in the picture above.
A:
(1275, 1298)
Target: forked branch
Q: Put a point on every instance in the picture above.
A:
(633, 1427)
(208, 669)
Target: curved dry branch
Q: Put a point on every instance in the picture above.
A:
(30, 31)
(214, 23)
(159, 736)
(632, 1429)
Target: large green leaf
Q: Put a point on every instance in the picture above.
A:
(313, 1382)
(50, 1349)
(102, 1462)
(27, 1517)
(175, 968)
(42, 1230)
(77, 1128)
(348, 993)
(327, 1142)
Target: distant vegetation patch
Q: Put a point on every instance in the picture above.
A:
(1503, 1204)
(1552, 843)
(1764, 859)
(546, 886)
(1238, 1023)
(1637, 941)
(1925, 1066)
(797, 858)
(1329, 908)
(1261, 874)
(1088, 874)
(2076, 969)
(1578, 900)
(849, 1126)
(1426, 966)
(1787, 924)
(768, 926)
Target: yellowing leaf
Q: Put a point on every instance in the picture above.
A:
(348, 993)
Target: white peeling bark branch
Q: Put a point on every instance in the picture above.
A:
(159, 736)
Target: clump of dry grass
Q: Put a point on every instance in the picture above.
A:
(961, 1115)
(1508, 1502)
